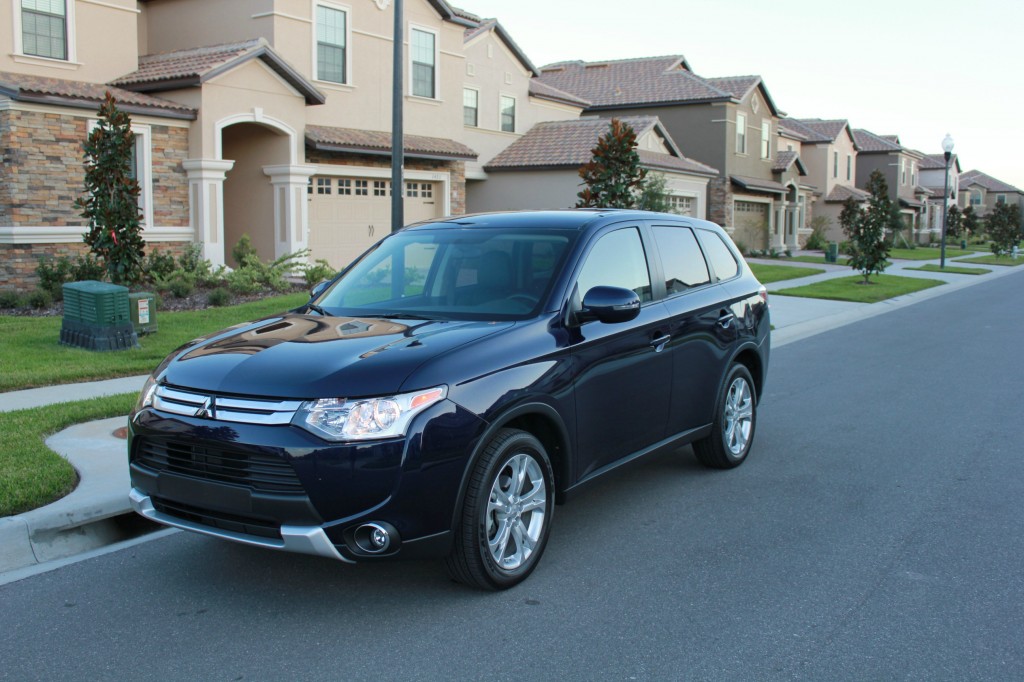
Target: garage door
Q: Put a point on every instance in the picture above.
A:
(347, 215)
(750, 222)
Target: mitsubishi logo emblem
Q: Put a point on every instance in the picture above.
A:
(207, 410)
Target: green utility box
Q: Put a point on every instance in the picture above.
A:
(97, 317)
(143, 312)
(832, 253)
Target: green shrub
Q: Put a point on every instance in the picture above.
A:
(9, 298)
(245, 281)
(244, 251)
(54, 273)
(318, 272)
(219, 297)
(817, 241)
(40, 298)
(181, 285)
(159, 265)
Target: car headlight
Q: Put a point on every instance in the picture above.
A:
(339, 419)
(148, 391)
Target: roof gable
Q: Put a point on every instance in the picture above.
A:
(991, 184)
(493, 26)
(869, 143)
(741, 86)
(818, 131)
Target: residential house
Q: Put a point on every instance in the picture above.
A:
(982, 192)
(541, 169)
(899, 166)
(829, 151)
(934, 177)
(270, 118)
(724, 123)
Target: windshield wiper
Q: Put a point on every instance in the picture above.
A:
(315, 308)
(393, 315)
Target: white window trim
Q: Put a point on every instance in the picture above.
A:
(437, 60)
(314, 70)
(69, 32)
(740, 115)
(144, 157)
(477, 91)
(515, 113)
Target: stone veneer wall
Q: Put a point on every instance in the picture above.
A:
(720, 202)
(456, 169)
(42, 174)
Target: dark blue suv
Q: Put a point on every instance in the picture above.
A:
(441, 394)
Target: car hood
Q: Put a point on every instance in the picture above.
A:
(309, 356)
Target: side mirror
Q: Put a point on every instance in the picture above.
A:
(319, 289)
(609, 305)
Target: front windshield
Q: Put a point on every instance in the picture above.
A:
(451, 274)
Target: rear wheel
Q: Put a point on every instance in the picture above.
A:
(506, 514)
(735, 419)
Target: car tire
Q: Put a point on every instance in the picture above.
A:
(506, 513)
(735, 420)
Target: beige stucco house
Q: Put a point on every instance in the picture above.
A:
(982, 192)
(540, 169)
(269, 118)
(900, 166)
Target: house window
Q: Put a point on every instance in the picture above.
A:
(680, 205)
(424, 60)
(789, 147)
(975, 197)
(361, 188)
(344, 187)
(835, 164)
(323, 185)
(913, 173)
(412, 189)
(1000, 198)
(903, 171)
(766, 135)
(44, 28)
(470, 107)
(331, 31)
(426, 190)
(508, 114)
(849, 166)
(741, 133)
(380, 188)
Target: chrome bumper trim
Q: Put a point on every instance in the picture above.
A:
(300, 539)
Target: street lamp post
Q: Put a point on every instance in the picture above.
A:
(947, 152)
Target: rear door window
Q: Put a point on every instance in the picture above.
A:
(681, 258)
(719, 255)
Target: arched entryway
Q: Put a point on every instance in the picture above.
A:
(249, 202)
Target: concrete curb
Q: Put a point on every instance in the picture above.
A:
(82, 520)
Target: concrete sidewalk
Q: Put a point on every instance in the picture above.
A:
(88, 517)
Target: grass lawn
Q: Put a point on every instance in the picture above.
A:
(881, 288)
(33, 475)
(842, 260)
(777, 273)
(31, 354)
(932, 267)
(926, 253)
(989, 260)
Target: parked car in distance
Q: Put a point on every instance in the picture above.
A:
(441, 394)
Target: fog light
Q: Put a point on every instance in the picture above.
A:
(375, 538)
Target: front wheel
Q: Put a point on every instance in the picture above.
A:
(735, 419)
(506, 513)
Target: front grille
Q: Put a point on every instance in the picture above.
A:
(230, 522)
(260, 473)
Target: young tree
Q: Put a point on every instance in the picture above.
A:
(866, 228)
(613, 176)
(111, 196)
(970, 222)
(954, 222)
(1004, 228)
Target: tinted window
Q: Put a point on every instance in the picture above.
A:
(719, 255)
(617, 260)
(681, 258)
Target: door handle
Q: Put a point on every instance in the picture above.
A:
(725, 319)
(660, 342)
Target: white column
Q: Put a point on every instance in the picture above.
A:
(291, 212)
(206, 204)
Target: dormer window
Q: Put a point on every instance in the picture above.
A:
(44, 28)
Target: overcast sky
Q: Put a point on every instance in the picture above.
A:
(914, 68)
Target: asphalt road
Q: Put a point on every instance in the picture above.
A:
(876, 532)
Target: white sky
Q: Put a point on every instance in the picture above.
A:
(914, 68)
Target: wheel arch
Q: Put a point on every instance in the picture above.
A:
(749, 357)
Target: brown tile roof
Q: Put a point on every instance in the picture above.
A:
(789, 129)
(194, 66)
(817, 130)
(737, 86)
(758, 185)
(783, 160)
(976, 177)
(869, 143)
(568, 144)
(841, 193)
(542, 90)
(935, 162)
(328, 138)
(910, 203)
(651, 80)
(82, 95)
